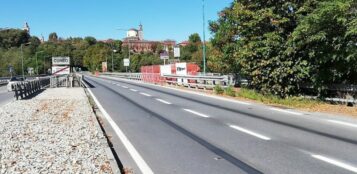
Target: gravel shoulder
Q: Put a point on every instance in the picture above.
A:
(54, 132)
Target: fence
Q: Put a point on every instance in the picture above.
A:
(69, 81)
(28, 88)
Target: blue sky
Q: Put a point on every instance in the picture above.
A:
(162, 19)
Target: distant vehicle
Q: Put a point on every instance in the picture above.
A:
(12, 81)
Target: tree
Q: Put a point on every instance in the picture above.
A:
(90, 40)
(53, 37)
(252, 36)
(327, 39)
(13, 38)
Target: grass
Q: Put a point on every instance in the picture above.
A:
(297, 102)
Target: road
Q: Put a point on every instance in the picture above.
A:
(183, 132)
(5, 97)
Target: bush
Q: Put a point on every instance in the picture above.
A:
(273, 99)
(230, 91)
(218, 89)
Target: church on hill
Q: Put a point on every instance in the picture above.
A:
(135, 41)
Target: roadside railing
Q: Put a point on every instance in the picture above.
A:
(4, 81)
(28, 88)
(69, 81)
(190, 81)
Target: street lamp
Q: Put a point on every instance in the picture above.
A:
(37, 61)
(204, 37)
(113, 51)
(22, 60)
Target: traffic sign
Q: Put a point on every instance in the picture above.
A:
(61, 61)
(126, 62)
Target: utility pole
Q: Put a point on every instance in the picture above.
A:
(204, 37)
(37, 61)
(22, 63)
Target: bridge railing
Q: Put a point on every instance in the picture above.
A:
(28, 88)
(191, 81)
(4, 81)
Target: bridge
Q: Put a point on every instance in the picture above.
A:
(157, 128)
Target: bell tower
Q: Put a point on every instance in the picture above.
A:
(141, 32)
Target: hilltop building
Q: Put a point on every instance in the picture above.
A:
(26, 28)
(135, 40)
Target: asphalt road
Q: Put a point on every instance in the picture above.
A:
(5, 97)
(183, 132)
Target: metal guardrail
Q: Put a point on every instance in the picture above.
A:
(69, 81)
(191, 81)
(4, 81)
(28, 88)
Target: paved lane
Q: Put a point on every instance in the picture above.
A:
(5, 97)
(187, 133)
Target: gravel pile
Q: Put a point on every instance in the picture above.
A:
(55, 132)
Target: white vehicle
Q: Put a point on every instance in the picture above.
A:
(12, 81)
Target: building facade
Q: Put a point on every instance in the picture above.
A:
(135, 41)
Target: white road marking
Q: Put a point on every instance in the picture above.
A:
(336, 163)
(124, 86)
(185, 91)
(163, 101)
(143, 166)
(147, 95)
(134, 90)
(343, 123)
(286, 111)
(118, 85)
(250, 132)
(196, 113)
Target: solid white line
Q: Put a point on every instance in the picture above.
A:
(147, 95)
(163, 101)
(286, 111)
(196, 113)
(143, 166)
(124, 86)
(250, 132)
(343, 123)
(134, 90)
(336, 163)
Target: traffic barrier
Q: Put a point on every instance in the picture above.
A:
(28, 88)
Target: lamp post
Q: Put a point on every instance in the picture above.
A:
(204, 37)
(126, 68)
(113, 51)
(37, 61)
(22, 60)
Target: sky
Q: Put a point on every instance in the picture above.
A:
(161, 19)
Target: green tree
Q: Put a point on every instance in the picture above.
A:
(327, 39)
(13, 38)
(52, 37)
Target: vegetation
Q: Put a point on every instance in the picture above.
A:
(230, 91)
(218, 89)
(281, 45)
(297, 102)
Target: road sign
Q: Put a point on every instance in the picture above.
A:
(104, 66)
(61, 61)
(126, 62)
(30, 70)
(60, 70)
(177, 52)
(164, 55)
